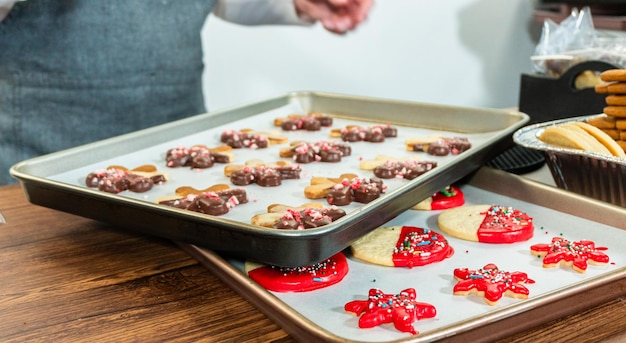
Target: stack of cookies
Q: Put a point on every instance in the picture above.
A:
(614, 123)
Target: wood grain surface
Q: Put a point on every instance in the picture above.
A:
(64, 278)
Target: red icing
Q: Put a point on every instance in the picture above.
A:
(492, 281)
(505, 225)
(418, 247)
(400, 309)
(575, 253)
(302, 279)
(448, 198)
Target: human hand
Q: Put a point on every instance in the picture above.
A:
(337, 16)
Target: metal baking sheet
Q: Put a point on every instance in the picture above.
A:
(57, 180)
(319, 315)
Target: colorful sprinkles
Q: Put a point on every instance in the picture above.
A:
(491, 282)
(416, 246)
(401, 309)
(577, 254)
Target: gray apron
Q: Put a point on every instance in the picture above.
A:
(76, 71)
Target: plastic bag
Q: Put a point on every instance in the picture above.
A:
(573, 41)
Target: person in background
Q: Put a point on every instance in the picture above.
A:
(77, 71)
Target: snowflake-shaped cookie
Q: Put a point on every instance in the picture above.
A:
(576, 254)
(400, 309)
(491, 283)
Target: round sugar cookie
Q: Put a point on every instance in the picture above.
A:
(602, 88)
(402, 246)
(487, 224)
(603, 138)
(616, 100)
(299, 279)
(584, 130)
(603, 122)
(613, 133)
(446, 198)
(620, 123)
(616, 88)
(612, 75)
(573, 137)
(616, 111)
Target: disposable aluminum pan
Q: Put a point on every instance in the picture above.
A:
(58, 180)
(590, 174)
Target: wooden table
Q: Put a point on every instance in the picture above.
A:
(66, 278)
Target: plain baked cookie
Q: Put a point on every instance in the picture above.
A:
(612, 75)
(603, 138)
(616, 111)
(487, 224)
(616, 88)
(616, 100)
(573, 137)
(603, 122)
(602, 88)
(402, 246)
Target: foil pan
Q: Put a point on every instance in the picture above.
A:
(58, 180)
(598, 176)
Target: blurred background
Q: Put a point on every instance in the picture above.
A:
(453, 52)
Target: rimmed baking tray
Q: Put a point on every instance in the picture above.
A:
(57, 180)
(591, 174)
(318, 316)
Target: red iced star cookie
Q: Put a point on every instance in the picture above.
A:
(402, 246)
(491, 283)
(400, 309)
(299, 279)
(576, 254)
(446, 198)
(487, 224)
